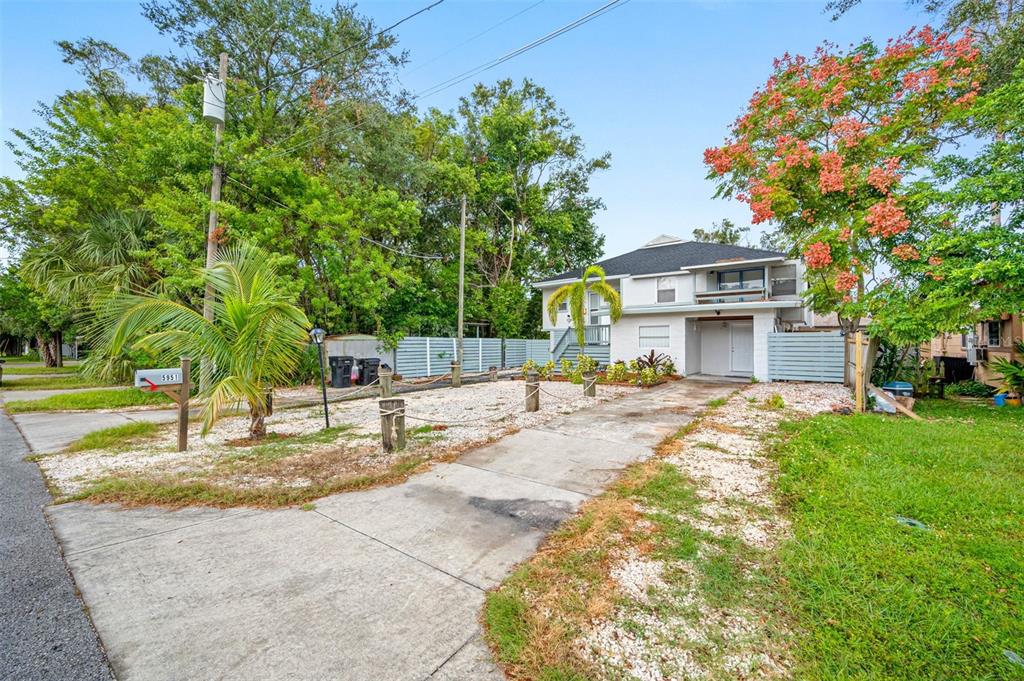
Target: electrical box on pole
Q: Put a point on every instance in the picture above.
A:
(214, 93)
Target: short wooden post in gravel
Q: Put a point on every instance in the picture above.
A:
(392, 424)
(590, 384)
(456, 375)
(494, 374)
(386, 378)
(2, 371)
(532, 391)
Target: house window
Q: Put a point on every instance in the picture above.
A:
(994, 339)
(784, 280)
(666, 289)
(563, 306)
(599, 311)
(733, 280)
(654, 337)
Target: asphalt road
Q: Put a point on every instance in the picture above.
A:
(44, 630)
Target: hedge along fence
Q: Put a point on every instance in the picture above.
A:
(418, 356)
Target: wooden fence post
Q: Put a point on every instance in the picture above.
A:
(494, 374)
(532, 391)
(392, 424)
(456, 375)
(385, 377)
(186, 386)
(590, 384)
(858, 359)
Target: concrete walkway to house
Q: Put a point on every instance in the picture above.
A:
(380, 584)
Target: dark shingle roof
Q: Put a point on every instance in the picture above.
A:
(669, 258)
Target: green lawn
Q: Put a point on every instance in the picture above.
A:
(873, 598)
(91, 399)
(50, 383)
(114, 437)
(16, 370)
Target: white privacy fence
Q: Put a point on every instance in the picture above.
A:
(418, 356)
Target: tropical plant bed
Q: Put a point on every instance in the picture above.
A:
(299, 461)
(631, 382)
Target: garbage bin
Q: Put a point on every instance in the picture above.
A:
(369, 367)
(899, 388)
(341, 371)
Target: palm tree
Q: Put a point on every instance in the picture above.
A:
(255, 341)
(576, 294)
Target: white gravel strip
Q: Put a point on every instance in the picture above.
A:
(724, 456)
(475, 413)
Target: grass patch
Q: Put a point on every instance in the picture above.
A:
(91, 399)
(19, 370)
(177, 492)
(50, 383)
(872, 598)
(115, 437)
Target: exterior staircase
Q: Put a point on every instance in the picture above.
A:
(598, 344)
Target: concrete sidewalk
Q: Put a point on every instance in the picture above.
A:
(52, 431)
(381, 584)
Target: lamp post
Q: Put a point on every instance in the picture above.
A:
(318, 336)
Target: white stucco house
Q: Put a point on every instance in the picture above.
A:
(708, 306)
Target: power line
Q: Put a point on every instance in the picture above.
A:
(521, 50)
(451, 82)
(338, 53)
(478, 35)
(259, 194)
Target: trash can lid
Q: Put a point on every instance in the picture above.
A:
(898, 385)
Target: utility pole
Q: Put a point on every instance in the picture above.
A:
(462, 273)
(211, 228)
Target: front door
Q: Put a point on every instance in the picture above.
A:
(741, 347)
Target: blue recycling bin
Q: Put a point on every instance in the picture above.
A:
(899, 389)
(999, 400)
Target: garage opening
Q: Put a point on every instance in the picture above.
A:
(726, 347)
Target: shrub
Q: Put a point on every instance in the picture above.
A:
(647, 376)
(970, 389)
(616, 372)
(774, 401)
(547, 371)
(566, 367)
(585, 364)
(529, 366)
(667, 368)
(654, 361)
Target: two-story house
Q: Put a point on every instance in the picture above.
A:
(710, 307)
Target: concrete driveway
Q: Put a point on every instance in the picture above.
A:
(382, 584)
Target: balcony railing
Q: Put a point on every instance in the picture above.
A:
(597, 335)
(731, 295)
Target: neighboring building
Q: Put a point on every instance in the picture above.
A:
(708, 306)
(995, 338)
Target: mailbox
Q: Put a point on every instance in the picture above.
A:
(154, 378)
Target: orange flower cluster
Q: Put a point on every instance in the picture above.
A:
(887, 219)
(885, 177)
(818, 255)
(830, 179)
(906, 252)
(846, 281)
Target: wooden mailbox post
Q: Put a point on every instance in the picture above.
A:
(175, 382)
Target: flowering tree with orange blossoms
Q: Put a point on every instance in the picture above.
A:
(826, 147)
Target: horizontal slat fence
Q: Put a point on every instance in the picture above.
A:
(806, 356)
(418, 356)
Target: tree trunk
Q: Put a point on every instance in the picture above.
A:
(257, 425)
(58, 351)
(45, 351)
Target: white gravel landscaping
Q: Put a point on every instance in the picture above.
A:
(448, 421)
(724, 456)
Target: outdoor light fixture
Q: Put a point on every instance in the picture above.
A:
(318, 335)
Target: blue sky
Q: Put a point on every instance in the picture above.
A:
(654, 83)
